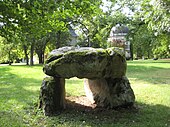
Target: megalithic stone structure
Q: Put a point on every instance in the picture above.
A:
(106, 83)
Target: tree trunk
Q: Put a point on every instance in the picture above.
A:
(43, 57)
(148, 54)
(40, 57)
(26, 54)
(32, 54)
(131, 50)
(40, 49)
(9, 57)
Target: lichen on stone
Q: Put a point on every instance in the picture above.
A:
(85, 62)
(105, 70)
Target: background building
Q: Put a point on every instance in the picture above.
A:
(117, 38)
(73, 36)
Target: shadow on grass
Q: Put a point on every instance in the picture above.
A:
(154, 75)
(17, 97)
(141, 115)
(13, 88)
(10, 119)
(149, 61)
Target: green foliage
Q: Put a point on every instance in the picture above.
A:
(142, 40)
(161, 46)
(3, 53)
(33, 20)
(149, 26)
(27, 23)
(9, 52)
(156, 14)
(97, 29)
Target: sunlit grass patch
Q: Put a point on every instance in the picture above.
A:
(75, 87)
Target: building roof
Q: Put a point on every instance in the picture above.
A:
(119, 29)
(72, 32)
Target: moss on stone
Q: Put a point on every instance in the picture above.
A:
(105, 67)
(87, 63)
(52, 95)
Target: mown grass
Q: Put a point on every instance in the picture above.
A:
(150, 80)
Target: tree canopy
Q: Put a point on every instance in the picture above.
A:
(34, 26)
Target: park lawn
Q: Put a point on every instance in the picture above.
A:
(150, 80)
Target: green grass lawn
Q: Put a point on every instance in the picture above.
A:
(150, 80)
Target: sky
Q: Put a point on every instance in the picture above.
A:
(125, 10)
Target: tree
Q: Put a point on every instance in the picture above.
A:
(161, 46)
(156, 14)
(9, 52)
(34, 19)
(143, 40)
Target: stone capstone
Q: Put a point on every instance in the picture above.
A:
(85, 62)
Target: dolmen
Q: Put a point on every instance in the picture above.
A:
(104, 71)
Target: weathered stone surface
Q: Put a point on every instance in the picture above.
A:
(105, 70)
(85, 62)
(52, 95)
(110, 93)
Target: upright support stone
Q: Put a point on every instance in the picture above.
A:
(110, 93)
(52, 95)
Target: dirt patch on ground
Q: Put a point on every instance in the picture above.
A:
(82, 104)
(79, 102)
